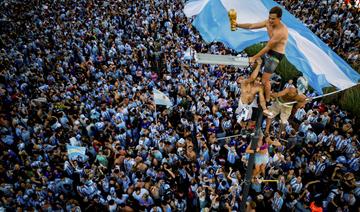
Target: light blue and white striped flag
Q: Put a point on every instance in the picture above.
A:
(318, 63)
(161, 99)
(75, 152)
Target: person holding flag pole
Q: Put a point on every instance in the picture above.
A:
(160, 99)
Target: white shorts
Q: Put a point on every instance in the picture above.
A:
(261, 159)
(280, 108)
(244, 112)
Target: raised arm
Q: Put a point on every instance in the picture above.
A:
(311, 182)
(229, 174)
(253, 25)
(301, 101)
(273, 142)
(250, 151)
(255, 73)
(170, 172)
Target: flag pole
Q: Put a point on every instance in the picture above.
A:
(251, 161)
(321, 96)
(155, 107)
(155, 114)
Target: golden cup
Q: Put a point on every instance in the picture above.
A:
(232, 17)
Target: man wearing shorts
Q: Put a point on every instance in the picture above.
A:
(280, 106)
(274, 50)
(250, 87)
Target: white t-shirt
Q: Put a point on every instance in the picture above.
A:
(139, 196)
(112, 208)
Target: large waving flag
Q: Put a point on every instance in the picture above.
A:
(318, 63)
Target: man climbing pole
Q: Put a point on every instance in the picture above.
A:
(274, 50)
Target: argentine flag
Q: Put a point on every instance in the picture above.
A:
(161, 99)
(74, 152)
(318, 63)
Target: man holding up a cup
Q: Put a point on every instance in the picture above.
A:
(274, 50)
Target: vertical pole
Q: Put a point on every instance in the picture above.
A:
(251, 162)
(155, 114)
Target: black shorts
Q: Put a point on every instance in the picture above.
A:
(271, 61)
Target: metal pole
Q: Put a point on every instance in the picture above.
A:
(155, 114)
(251, 162)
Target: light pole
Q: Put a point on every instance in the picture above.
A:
(251, 161)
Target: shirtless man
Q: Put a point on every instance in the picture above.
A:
(274, 50)
(279, 106)
(249, 88)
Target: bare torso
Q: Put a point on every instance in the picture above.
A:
(292, 95)
(248, 92)
(282, 31)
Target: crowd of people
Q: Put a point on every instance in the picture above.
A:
(335, 22)
(81, 74)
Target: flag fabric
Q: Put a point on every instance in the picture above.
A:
(319, 64)
(188, 54)
(161, 99)
(76, 152)
(193, 7)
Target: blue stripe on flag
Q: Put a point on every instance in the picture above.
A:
(213, 24)
(161, 99)
(293, 22)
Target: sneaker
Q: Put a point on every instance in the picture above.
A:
(268, 113)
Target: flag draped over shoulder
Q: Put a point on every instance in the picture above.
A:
(161, 99)
(318, 63)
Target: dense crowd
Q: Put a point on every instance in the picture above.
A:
(81, 73)
(337, 23)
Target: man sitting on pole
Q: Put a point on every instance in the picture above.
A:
(274, 50)
(283, 105)
(249, 88)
